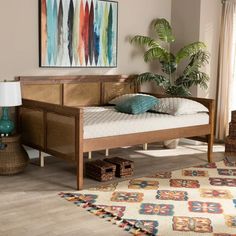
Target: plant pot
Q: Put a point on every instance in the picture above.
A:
(171, 144)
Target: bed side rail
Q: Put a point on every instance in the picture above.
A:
(54, 129)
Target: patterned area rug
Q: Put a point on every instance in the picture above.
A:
(196, 201)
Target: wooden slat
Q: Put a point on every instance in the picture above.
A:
(74, 79)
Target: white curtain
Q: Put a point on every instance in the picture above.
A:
(226, 68)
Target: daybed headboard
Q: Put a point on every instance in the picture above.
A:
(86, 90)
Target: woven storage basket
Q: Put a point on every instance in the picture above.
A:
(233, 116)
(100, 170)
(230, 145)
(13, 158)
(124, 168)
(232, 129)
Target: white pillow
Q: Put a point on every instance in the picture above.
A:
(123, 98)
(179, 106)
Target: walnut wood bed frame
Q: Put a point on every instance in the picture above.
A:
(51, 117)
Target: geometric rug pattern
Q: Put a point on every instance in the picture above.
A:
(200, 200)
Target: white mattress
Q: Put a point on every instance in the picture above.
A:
(106, 121)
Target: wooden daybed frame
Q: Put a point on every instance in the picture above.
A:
(49, 102)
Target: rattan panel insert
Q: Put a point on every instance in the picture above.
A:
(32, 127)
(112, 90)
(50, 93)
(83, 94)
(61, 134)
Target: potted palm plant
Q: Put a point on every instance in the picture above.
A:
(170, 79)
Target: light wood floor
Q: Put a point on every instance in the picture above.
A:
(30, 205)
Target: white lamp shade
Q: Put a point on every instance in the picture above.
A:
(10, 94)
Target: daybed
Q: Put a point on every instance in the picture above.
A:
(58, 117)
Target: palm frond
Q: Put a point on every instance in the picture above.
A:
(201, 79)
(201, 58)
(185, 81)
(189, 50)
(195, 78)
(178, 90)
(198, 60)
(160, 80)
(156, 53)
(144, 41)
(163, 30)
(169, 65)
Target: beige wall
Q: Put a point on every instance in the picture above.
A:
(210, 21)
(199, 20)
(19, 37)
(192, 20)
(185, 20)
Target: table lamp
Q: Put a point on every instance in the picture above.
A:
(10, 96)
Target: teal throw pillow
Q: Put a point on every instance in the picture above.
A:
(137, 104)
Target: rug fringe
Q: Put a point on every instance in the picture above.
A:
(112, 217)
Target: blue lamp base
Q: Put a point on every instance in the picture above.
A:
(6, 125)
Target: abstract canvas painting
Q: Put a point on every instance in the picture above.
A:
(78, 33)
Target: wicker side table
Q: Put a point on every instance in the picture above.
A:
(13, 158)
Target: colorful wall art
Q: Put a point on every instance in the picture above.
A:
(78, 33)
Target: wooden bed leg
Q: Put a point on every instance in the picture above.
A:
(80, 175)
(210, 137)
(107, 153)
(145, 146)
(80, 171)
(210, 141)
(90, 155)
(79, 157)
(41, 158)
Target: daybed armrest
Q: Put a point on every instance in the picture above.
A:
(63, 110)
(51, 128)
(209, 103)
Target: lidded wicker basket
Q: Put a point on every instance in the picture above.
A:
(13, 158)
